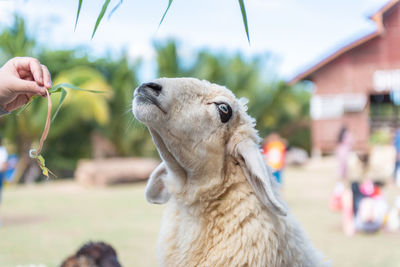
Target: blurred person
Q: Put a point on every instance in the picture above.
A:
(12, 162)
(365, 208)
(3, 166)
(396, 144)
(393, 220)
(343, 150)
(20, 79)
(274, 151)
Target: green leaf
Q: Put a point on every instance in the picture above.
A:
(165, 13)
(60, 88)
(41, 160)
(42, 165)
(62, 97)
(77, 14)
(45, 171)
(56, 88)
(244, 16)
(101, 15)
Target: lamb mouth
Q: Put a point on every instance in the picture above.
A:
(143, 97)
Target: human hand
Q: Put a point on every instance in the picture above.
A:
(20, 79)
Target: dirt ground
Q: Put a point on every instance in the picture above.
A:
(43, 224)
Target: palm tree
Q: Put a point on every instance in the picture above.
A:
(14, 41)
(168, 62)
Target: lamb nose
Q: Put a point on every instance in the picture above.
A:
(156, 88)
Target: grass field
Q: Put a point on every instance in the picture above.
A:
(42, 224)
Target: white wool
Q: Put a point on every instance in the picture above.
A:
(243, 102)
(222, 205)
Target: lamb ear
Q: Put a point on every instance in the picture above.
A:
(258, 174)
(155, 191)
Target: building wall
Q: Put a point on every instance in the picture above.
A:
(352, 72)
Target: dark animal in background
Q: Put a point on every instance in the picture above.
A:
(93, 254)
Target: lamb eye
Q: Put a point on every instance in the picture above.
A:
(225, 112)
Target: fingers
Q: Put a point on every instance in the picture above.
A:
(46, 77)
(26, 75)
(36, 70)
(28, 87)
(31, 67)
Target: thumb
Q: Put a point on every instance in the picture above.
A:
(27, 87)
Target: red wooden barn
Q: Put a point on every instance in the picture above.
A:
(358, 86)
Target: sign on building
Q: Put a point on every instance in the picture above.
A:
(334, 106)
(386, 80)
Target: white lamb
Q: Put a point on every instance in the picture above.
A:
(222, 205)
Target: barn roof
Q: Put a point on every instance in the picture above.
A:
(377, 17)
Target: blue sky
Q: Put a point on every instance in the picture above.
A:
(297, 32)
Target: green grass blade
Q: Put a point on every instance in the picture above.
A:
(165, 13)
(70, 86)
(57, 89)
(101, 15)
(115, 8)
(244, 16)
(77, 14)
(62, 98)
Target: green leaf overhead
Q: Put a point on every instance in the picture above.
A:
(165, 13)
(77, 13)
(101, 15)
(244, 16)
(107, 2)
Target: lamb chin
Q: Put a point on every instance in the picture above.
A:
(144, 112)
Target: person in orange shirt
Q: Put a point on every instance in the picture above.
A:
(274, 151)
